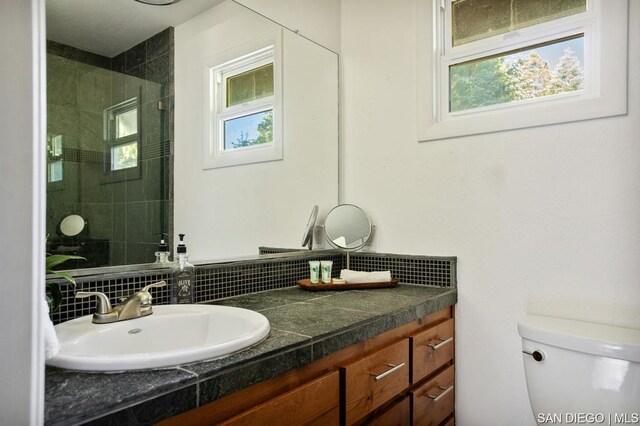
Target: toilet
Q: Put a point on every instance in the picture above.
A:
(581, 373)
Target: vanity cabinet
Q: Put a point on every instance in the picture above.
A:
(375, 379)
(431, 349)
(320, 397)
(398, 415)
(433, 401)
(401, 377)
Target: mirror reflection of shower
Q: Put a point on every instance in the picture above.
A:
(109, 133)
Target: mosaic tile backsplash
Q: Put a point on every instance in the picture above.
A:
(222, 280)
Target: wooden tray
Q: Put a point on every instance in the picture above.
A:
(306, 285)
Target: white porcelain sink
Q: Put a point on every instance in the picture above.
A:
(172, 335)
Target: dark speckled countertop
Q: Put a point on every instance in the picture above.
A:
(305, 326)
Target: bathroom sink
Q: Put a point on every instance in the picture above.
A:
(172, 335)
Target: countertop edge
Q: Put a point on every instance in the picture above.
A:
(221, 380)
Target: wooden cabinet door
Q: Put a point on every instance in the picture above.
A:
(433, 401)
(314, 403)
(431, 349)
(375, 379)
(398, 415)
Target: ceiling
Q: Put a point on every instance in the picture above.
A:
(109, 27)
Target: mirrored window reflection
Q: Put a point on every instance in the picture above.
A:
(54, 171)
(245, 104)
(249, 130)
(54, 159)
(124, 156)
(250, 85)
(123, 140)
(127, 123)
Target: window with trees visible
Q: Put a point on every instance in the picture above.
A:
(500, 64)
(542, 69)
(245, 102)
(247, 111)
(529, 73)
(122, 140)
(55, 170)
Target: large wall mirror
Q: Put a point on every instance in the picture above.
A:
(131, 106)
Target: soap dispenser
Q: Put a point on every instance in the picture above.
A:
(183, 277)
(162, 255)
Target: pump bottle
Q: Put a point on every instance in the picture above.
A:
(183, 277)
(162, 255)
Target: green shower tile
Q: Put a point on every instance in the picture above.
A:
(91, 131)
(160, 43)
(156, 219)
(93, 91)
(135, 56)
(119, 220)
(61, 81)
(139, 253)
(98, 217)
(136, 222)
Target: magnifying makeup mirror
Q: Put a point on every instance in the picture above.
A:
(347, 228)
(72, 225)
(307, 238)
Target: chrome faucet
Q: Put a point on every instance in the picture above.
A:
(135, 306)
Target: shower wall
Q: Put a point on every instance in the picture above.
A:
(126, 209)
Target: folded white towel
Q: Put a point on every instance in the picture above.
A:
(356, 277)
(340, 242)
(51, 344)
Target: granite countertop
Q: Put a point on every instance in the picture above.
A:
(305, 326)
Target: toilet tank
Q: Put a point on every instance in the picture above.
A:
(589, 373)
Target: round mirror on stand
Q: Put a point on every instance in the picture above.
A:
(72, 225)
(347, 228)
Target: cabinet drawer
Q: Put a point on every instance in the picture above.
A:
(450, 422)
(398, 415)
(433, 402)
(375, 379)
(314, 403)
(431, 349)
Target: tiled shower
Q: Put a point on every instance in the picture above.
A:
(125, 208)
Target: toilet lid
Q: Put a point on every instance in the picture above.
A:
(587, 337)
(72, 225)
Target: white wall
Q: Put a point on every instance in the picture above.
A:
(543, 220)
(21, 213)
(318, 20)
(229, 212)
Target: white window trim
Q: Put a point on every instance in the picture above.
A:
(250, 55)
(605, 70)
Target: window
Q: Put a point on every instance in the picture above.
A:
(122, 141)
(528, 73)
(491, 65)
(55, 166)
(124, 156)
(247, 112)
(245, 105)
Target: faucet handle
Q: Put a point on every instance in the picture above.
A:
(103, 306)
(158, 284)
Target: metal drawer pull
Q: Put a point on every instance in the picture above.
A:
(445, 391)
(378, 377)
(443, 342)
